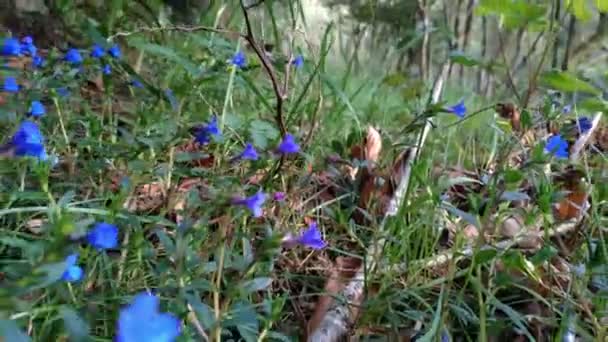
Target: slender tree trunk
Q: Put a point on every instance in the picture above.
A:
(484, 49)
(456, 31)
(569, 39)
(467, 32)
(518, 43)
(556, 44)
(424, 52)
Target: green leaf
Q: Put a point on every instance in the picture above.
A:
(395, 80)
(593, 105)
(484, 256)
(580, 9)
(244, 317)
(77, 328)
(9, 331)
(469, 218)
(261, 132)
(257, 284)
(170, 54)
(602, 5)
(166, 241)
(567, 82)
(203, 311)
(516, 260)
(459, 58)
(544, 254)
(514, 13)
(514, 196)
(434, 330)
(513, 176)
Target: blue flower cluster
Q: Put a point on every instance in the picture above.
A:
(141, 319)
(28, 140)
(101, 237)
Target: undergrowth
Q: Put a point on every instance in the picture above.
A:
(146, 139)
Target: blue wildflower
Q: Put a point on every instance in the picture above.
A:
(136, 83)
(27, 40)
(584, 124)
(37, 61)
(11, 85)
(288, 145)
(239, 59)
(28, 141)
(298, 62)
(97, 51)
(249, 153)
(557, 146)
(279, 196)
(311, 238)
(27, 46)
(63, 91)
(141, 321)
(253, 203)
(73, 56)
(106, 69)
(458, 109)
(567, 109)
(37, 109)
(72, 271)
(11, 47)
(114, 51)
(203, 133)
(103, 236)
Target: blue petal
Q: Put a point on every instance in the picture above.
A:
(103, 236)
(72, 274)
(288, 145)
(585, 124)
(97, 51)
(458, 109)
(11, 47)
(312, 237)
(11, 85)
(73, 56)
(114, 51)
(141, 321)
(37, 108)
(557, 146)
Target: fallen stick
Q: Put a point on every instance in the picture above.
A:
(337, 320)
(583, 140)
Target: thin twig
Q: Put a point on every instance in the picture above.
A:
(197, 325)
(179, 28)
(250, 38)
(510, 80)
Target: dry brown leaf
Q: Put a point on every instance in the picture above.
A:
(146, 197)
(511, 112)
(193, 147)
(343, 271)
(575, 202)
(373, 145)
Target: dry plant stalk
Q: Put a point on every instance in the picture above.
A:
(337, 320)
(584, 139)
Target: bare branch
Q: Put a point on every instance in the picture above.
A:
(279, 94)
(187, 29)
(583, 140)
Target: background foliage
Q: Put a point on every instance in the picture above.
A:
(223, 273)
